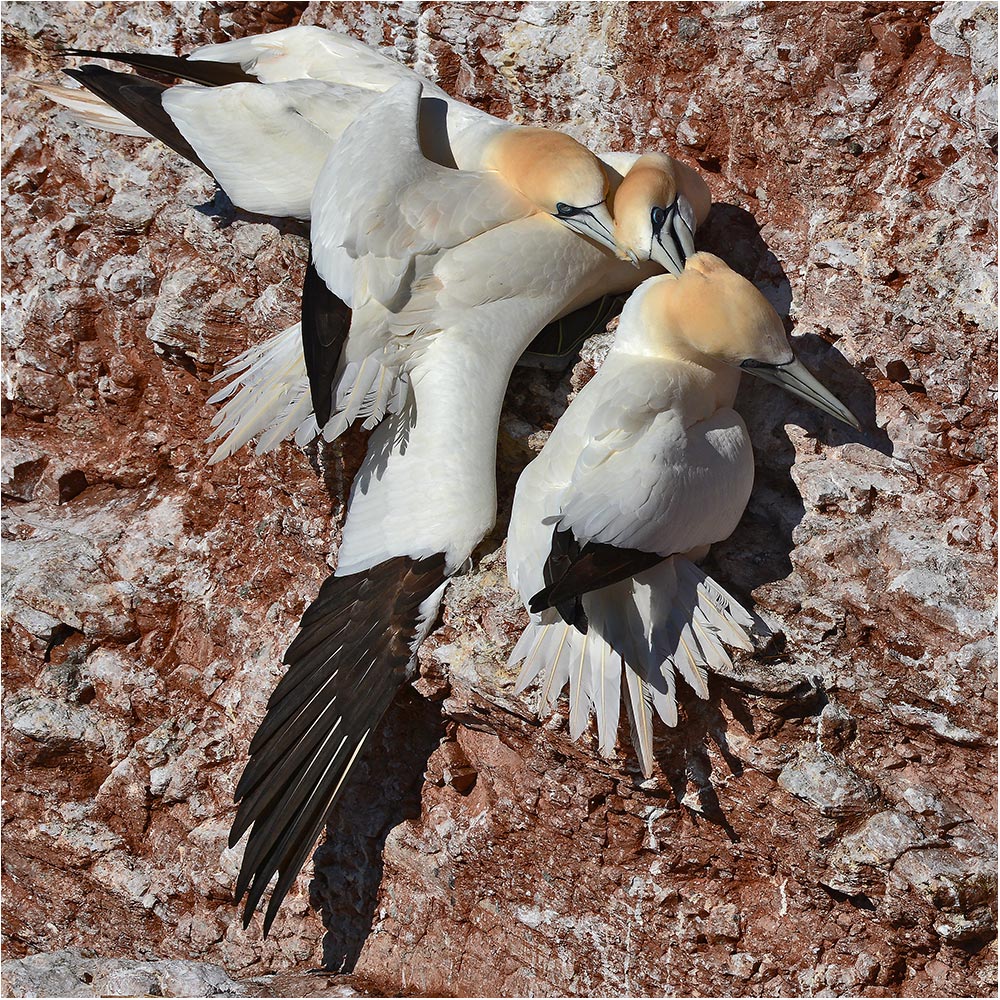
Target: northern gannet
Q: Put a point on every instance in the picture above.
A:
(449, 308)
(648, 467)
(266, 144)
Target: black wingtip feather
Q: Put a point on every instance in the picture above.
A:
(326, 321)
(139, 100)
(297, 772)
(212, 74)
(572, 570)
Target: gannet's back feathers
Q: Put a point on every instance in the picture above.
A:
(354, 651)
(307, 52)
(211, 74)
(645, 475)
(411, 205)
(266, 145)
(138, 100)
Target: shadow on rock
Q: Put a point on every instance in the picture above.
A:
(382, 791)
(733, 234)
(226, 213)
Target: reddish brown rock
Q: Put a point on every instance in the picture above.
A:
(821, 825)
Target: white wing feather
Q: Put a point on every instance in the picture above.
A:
(266, 145)
(648, 480)
(306, 52)
(379, 197)
(89, 109)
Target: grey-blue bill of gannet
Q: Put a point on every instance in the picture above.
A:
(648, 466)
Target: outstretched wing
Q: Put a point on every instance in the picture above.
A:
(353, 652)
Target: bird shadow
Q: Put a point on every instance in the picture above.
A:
(225, 213)
(685, 754)
(383, 791)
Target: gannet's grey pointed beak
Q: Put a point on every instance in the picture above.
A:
(595, 222)
(664, 249)
(684, 225)
(674, 242)
(799, 381)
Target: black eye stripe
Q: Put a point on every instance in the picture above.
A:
(564, 211)
(751, 363)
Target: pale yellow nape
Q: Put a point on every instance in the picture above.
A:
(715, 312)
(547, 167)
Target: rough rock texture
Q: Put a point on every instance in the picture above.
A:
(822, 825)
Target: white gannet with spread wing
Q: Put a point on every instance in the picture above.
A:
(648, 466)
(272, 107)
(445, 294)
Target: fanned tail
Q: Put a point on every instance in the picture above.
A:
(267, 397)
(560, 654)
(354, 651)
(668, 620)
(367, 391)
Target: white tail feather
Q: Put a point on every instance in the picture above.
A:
(88, 109)
(268, 396)
(670, 619)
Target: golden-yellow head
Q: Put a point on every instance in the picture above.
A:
(712, 315)
(558, 175)
(657, 208)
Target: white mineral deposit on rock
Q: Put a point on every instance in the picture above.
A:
(167, 590)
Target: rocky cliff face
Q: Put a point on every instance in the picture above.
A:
(821, 825)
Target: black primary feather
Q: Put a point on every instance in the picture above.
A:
(326, 321)
(351, 656)
(139, 100)
(212, 74)
(562, 553)
(572, 570)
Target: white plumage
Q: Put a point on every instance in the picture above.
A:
(646, 469)
(447, 233)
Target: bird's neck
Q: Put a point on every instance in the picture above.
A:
(700, 377)
(472, 134)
